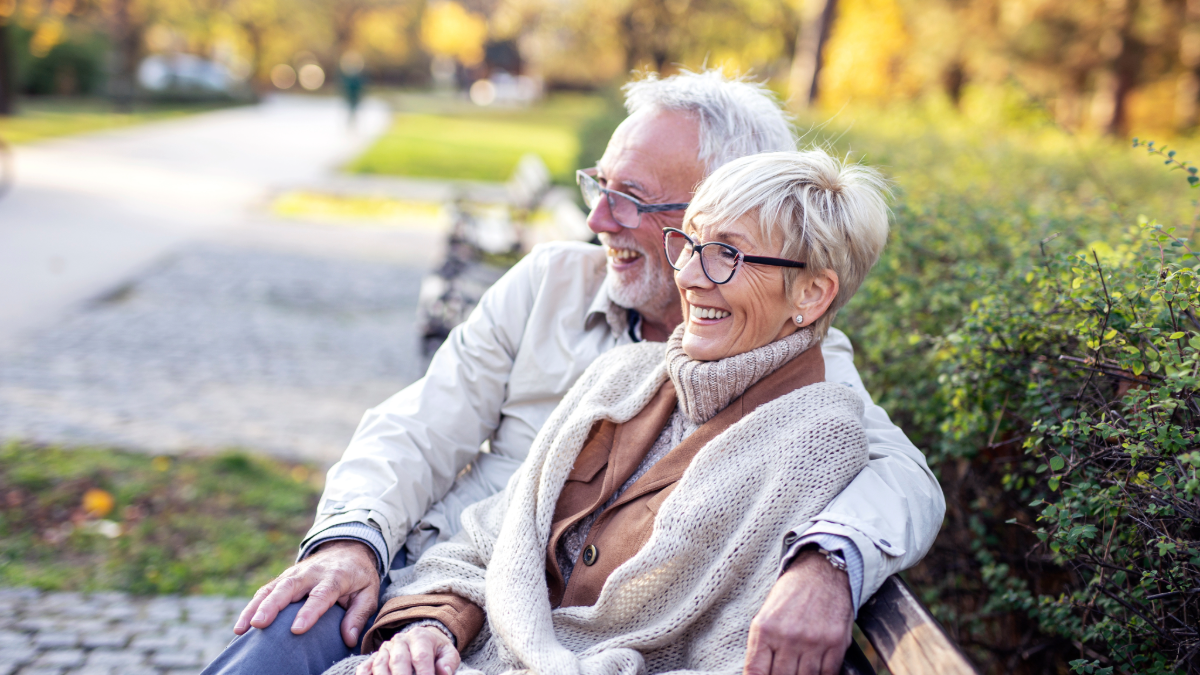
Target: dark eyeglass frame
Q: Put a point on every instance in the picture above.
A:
(582, 176)
(741, 257)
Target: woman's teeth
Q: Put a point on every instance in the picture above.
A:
(623, 254)
(708, 313)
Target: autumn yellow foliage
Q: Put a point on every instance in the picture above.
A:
(864, 57)
(450, 30)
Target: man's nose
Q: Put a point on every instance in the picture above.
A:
(601, 218)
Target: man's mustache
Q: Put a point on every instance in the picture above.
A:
(620, 241)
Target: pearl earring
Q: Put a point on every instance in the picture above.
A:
(799, 319)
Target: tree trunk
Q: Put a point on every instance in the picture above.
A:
(1187, 92)
(953, 80)
(817, 22)
(125, 44)
(8, 71)
(258, 77)
(1122, 60)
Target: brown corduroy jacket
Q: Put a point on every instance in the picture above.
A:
(610, 455)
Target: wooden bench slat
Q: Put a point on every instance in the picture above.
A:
(907, 638)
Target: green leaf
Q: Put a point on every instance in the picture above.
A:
(1176, 335)
(1057, 463)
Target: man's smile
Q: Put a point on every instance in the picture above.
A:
(621, 258)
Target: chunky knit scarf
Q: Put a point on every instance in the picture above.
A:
(704, 388)
(685, 601)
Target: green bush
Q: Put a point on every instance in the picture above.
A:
(987, 220)
(1072, 387)
(75, 66)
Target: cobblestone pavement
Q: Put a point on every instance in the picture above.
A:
(221, 346)
(111, 633)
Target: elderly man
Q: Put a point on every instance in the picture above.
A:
(416, 460)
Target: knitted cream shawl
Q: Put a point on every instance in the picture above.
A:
(685, 601)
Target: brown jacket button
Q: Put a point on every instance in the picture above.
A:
(590, 554)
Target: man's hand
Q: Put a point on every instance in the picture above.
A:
(342, 572)
(420, 651)
(804, 626)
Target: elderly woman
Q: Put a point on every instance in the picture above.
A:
(646, 527)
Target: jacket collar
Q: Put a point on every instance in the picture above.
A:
(624, 323)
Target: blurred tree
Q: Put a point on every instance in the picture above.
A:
(1121, 55)
(127, 27)
(1188, 88)
(865, 53)
(8, 66)
(448, 29)
(815, 25)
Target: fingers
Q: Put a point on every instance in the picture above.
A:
(320, 598)
(287, 590)
(758, 653)
(788, 660)
(368, 666)
(831, 663)
(808, 664)
(400, 661)
(243, 621)
(447, 659)
(362, 605)
(379, 663)
(423, 650)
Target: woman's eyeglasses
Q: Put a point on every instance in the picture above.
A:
(719, 261)
(626, 210)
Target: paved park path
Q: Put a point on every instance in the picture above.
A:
(150, 300)
(111, 634)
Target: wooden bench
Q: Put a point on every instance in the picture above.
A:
(905, 636)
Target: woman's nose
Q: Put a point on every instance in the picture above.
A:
(601, 218)
(692, 275)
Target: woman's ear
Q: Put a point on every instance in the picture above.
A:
(813, 294)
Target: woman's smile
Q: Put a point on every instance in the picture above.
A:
(708, 315)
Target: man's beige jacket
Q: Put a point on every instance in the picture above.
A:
(416, 460)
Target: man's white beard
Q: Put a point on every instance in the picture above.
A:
(650, 290)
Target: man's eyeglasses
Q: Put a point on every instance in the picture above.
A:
(626, 210)
(719, 261)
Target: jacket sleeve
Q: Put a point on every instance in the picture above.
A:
(407, 451)
(460, 616)
(892, 511)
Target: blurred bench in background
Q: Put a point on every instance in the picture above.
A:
(486, 239)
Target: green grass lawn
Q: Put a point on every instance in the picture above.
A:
(96, 519)
(49, 117)
(448, 138)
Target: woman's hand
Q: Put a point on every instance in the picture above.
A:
(420, 651)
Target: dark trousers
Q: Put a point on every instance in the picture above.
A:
(276, 651)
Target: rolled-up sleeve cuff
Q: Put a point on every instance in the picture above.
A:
(433, 623)
(849, 551)
(463, 618)
(352, 531)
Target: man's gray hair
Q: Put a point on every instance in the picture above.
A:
(737, 117)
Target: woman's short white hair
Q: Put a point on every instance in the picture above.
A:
(830, 214)
(737, 117)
